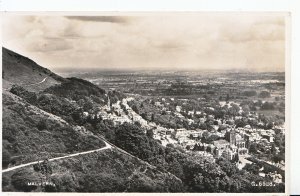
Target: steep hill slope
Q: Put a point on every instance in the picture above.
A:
(43, 118)
(31, 134)
(17, 69)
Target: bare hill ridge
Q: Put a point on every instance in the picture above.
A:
(18, 69)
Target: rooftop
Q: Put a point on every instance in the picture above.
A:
(220, 143)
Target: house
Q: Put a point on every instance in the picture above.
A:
(178, 108)
(191, 112)
(269, 137)
(277, 178)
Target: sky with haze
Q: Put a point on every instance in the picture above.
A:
(155, 41)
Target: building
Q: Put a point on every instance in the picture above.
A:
(228, 154)
(239, 141)
(232, 136)
(220, 145)
(269, 137)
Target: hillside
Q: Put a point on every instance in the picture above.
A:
(105, 171)
(44, 119)
(31, 134)
(17, 69)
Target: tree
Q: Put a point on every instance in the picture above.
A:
(227, 166)
(252, 168)
(268, 106)
(234, 109)
(278, 158)
(150, 133)
(273, 149)
(211, 138)
(152, 117)
(227, 98)
(250, 93)
(144, 115)
(264, 94)
(253, 148)
(202, 148)
(135, 109)
(240, 123)
(236, 158)
(208, 149)
(196, 147)
(42, 125)
(203, 126)
(88, 105)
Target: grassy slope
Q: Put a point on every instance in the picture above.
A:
(105, 171)
(29, 133)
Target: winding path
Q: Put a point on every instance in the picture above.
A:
(108, 146)
(37, 82)
(6, 89)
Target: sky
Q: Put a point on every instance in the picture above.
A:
(154, 41)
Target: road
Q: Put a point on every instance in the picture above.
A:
(108, 146)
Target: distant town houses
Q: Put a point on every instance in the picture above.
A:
(220, 139)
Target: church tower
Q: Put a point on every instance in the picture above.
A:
(232, 139)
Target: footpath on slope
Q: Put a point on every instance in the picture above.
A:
(108, 146)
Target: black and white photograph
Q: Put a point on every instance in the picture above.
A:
(145, 102)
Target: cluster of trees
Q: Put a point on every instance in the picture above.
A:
(30, 97)
(76, 89)
(264, 94)
(249, 93)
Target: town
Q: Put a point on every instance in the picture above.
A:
(238, 117)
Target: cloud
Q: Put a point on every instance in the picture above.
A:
(169, 41)
(50, 45)
(259, 31)
(109, 19)
(171, 45)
